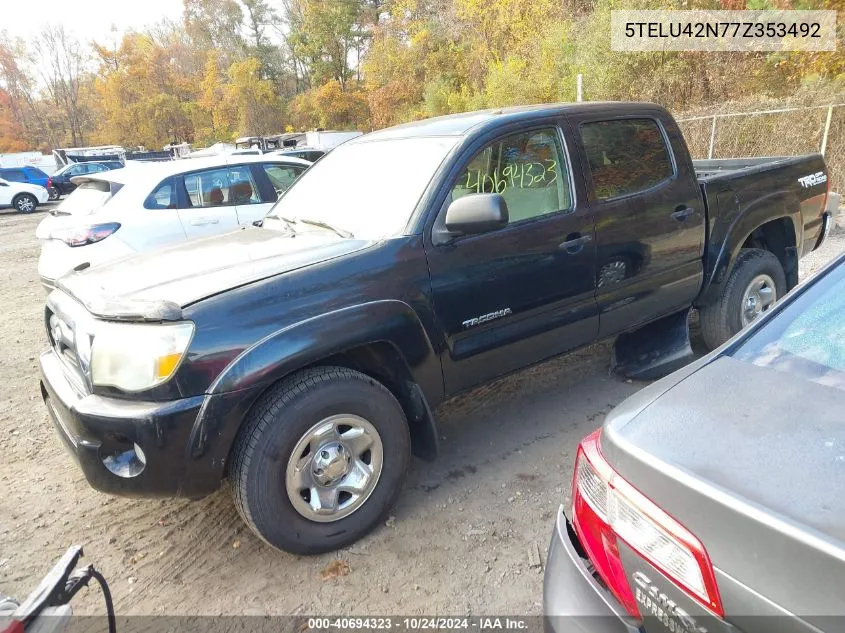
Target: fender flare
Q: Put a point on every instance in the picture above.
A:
(308, 342)
(774, 207)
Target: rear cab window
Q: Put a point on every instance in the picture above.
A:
(626, 156)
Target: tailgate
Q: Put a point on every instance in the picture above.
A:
(755, 476)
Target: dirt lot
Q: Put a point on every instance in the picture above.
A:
(460, 541)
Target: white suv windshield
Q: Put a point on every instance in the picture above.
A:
(365, 189)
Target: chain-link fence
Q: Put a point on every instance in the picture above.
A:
(777, 132)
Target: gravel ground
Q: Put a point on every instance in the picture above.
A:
(463, 539)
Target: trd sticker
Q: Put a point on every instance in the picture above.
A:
(813, 179)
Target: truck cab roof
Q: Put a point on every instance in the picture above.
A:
(472, 122)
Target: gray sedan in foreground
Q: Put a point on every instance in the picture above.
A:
(714, 499)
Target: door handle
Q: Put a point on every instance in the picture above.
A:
(202, 221)
(575, 243)
(682, 213)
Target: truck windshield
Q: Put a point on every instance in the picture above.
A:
(368, 190)
(805, 339)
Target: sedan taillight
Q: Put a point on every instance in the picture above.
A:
(607, 509)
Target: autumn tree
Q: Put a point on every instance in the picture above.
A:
(214, 24)
(66, 76)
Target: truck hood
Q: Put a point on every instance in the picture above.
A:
(179, 275)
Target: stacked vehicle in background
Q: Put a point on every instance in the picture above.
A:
(141, 207)
(24, 197)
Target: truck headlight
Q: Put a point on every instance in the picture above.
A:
(136, 357)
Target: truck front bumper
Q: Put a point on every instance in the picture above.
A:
(574, 600)
(126, 447)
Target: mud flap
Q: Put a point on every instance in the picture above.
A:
(654, 350)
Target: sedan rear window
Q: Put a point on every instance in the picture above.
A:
(805, 339)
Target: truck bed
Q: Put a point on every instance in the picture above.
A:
(710, 168)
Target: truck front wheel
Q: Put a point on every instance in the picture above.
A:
(320, 460)
(756, 282)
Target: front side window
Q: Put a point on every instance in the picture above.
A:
(625, 156)
(242, 187)
(208, 188)
(526, 169)
(282, 176)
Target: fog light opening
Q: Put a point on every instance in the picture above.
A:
(126, 464)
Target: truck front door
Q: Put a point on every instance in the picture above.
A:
(512, 297)
(649, 213)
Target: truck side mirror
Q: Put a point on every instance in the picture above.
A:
(477, 213)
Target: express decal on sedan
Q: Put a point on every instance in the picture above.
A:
(662, 607)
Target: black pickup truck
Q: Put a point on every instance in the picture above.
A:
(301, 359)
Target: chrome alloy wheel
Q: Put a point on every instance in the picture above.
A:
(25, 204)
(759, 296)
(334, 468)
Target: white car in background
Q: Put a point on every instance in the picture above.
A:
(145, 206)
(22, 196)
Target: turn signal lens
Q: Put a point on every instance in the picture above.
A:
(136, 357)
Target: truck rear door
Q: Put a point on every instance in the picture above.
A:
(649, 214)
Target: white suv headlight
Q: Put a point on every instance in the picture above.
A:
(136, 357)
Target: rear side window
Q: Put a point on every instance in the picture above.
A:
(282, 176)
(208, 188)
(163, 197)
(625, 156)
(243, 189)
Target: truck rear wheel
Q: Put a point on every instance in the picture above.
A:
(320, 460)
(756, 282)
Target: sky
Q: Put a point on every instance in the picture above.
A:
(87, 19)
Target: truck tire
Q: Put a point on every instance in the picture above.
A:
(320, 460)
(755, 283)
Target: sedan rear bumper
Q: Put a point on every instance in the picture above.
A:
(573, 599)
